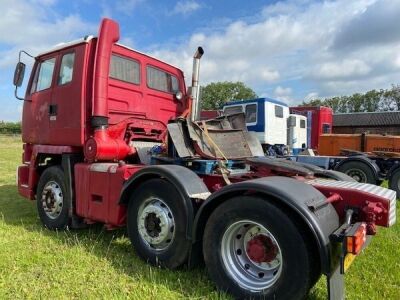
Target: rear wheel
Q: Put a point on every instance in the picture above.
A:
(359, 171)
(157, 223)
(394, 182)
(51, 199)
(252, 249)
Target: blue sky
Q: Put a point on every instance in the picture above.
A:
(289, 50)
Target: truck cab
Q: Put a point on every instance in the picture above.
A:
(297, 133)
(267, 117)
(59, 96)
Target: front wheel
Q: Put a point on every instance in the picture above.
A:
(51, 199)
(252, 249)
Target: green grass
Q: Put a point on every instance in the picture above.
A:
(95, 263)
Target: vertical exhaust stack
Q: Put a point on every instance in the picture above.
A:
(195, 89)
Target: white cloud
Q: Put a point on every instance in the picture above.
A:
(311, 96)
(281, 91)
(124, 6)
(297, 42)
(186, 7)
(33, 26)
(347, 68)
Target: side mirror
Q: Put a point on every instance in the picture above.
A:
(19, 74)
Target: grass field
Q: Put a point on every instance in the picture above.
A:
(95, 263)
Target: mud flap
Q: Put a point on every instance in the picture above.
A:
(335, 283)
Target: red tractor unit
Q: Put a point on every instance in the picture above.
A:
(112, 135)
(319, 121)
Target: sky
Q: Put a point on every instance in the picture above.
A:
(288, 50)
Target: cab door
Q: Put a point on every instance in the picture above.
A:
(36, 110)
(67, 113)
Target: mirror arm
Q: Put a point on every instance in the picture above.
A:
(16, 95)
(19, 60)
(23, 51)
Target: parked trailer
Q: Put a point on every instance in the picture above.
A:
(381, 152)
(362, 167)
(111, 135)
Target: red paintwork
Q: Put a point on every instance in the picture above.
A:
(209, 114)
(261, 249)
(104, 147)
(98, 192)
(320, 115)
(371, 208)
(108, 35)
(134, 111)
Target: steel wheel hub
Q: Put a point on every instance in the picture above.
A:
(251, 255)
(156, 224)
(52, 199)
(357, 175)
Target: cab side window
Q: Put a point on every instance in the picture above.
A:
(44, 75)
(233, 109)
(162, 81)
(278, 111)
(66, 69)
(125, 69)
(251, 113)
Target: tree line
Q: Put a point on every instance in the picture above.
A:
(216, 94)
(10, 127)
(374, 100)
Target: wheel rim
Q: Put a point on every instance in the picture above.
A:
(357, 175)
(156, 224)
(52, 199)
(251, 255)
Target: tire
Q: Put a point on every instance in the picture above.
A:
(51, 199)
(394, 182)
(359, 171)
(339, 176)
(156, 202)
(291, 271)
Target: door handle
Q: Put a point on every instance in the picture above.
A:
(52, 109)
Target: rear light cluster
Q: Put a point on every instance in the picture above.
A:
(356, 239)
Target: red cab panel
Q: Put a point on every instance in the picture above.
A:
(98, 188)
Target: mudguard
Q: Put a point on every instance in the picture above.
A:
(188, 184)
(68, 161)
(370, 163)
(293, 194)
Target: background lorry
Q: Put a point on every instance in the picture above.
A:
(278, 131)
(319, 121)
(111, 135)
